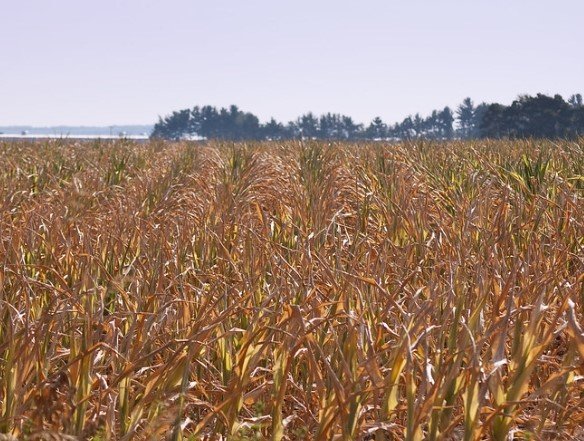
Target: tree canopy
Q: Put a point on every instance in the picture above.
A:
(537, 116)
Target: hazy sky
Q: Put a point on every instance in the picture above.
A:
(128, 61)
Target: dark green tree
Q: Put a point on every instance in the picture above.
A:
(492, 124)
(273, 130)
(175, 126)
(575, 101)
(418, 126)
(465, 116)
(351, 130)
(308, 126)
(446, 123)
(377, 129)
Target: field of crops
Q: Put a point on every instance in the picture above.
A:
(292, 290)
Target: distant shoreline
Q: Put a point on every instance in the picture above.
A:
(112, 131)
(40, 136)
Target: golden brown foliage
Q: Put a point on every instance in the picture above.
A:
(292, 291)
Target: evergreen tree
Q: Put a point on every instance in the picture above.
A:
(432, 126)
(377, 129)
(465, 116)
(418, 126)
(273, 130)
(446, 121)
(308, 125)
(174, 126)
(575, 101)
(528, 116)
(478, 115)
(292, 130)
(209, 123)
(492, 123)
(351, 130)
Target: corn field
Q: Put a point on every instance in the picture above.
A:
(289, 291)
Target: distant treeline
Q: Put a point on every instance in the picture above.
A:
(537, 116)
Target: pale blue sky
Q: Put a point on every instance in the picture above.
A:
(128, 61)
